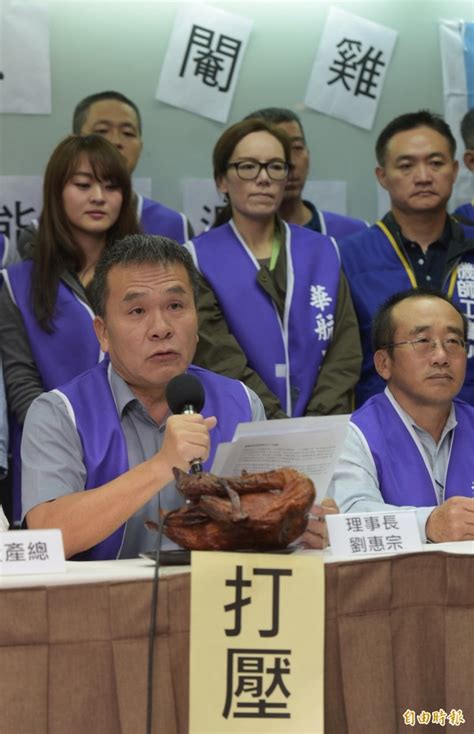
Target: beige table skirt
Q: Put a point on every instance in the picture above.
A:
(399, 635)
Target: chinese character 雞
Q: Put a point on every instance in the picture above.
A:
(361, 68)
(254, 677)
(211, 63)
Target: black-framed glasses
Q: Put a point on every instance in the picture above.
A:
(249, 170)
(452, 345)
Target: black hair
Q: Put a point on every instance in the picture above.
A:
(383, 327)
(83, 107)
(275, 116)
(410, 121)
(138, 249)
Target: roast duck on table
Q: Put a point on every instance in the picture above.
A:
(262, 511)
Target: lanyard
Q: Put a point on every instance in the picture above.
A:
(406, 264)
(275, 251)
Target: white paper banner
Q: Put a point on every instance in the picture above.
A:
(25, 78)
(20, 203)
(457, 62)
(202, 63)
(349, 71)
(201, 202)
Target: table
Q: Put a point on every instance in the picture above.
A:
(73, 647)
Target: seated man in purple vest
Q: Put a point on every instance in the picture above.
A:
(465, 212)
(109, 430)
(294, 209)
(118, 119)
(412, 445)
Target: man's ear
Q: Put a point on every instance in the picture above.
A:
(381, 178)
(100, 329)
(469, 159)
(383, 363)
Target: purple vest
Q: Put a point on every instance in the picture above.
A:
(374, 273)
(72, 347)
(103, 442)
(338, 225)
(466, 212)
(404, 478)
(156, 218)
(288, 355)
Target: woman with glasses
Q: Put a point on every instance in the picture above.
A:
(274, 308)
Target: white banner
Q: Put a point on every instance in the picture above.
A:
(457, 62)
(25, 78)
(20, 203)
(349, 71)
(202, 63)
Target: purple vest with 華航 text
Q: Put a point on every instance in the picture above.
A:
(72, 346)
(374, 273)
(103, 442)
(404, 477)
(286, 355)
(156, 218)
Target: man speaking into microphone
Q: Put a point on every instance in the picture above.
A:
(98, 452)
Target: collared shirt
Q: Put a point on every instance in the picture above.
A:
(52, 459)
(429, 267)
(355, 485)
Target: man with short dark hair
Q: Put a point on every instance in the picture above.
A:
(118, 119)
(294, 208)
(416, 243)
(115, 117)
(466, 211)
(411, 446)
(98, 452)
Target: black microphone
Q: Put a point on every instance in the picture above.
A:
(185, 395)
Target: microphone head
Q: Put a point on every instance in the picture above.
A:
(184, 390)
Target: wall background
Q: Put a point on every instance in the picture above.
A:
(109, 44)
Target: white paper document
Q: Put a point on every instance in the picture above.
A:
(310, 445)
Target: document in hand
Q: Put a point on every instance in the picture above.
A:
(310, 445)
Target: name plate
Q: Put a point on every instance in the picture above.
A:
(373, 533)
(31, 551)
(257, 644)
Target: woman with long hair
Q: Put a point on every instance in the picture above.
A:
(46, 331)
(275, 310)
